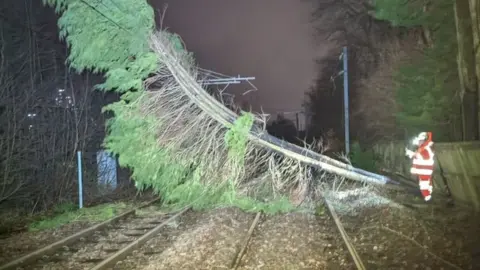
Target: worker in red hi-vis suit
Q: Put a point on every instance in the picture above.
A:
(423, 162)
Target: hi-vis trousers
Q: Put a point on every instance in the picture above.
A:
(426, 186)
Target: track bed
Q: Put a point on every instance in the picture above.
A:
(385, 237)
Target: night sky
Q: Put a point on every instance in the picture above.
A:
(271, 40)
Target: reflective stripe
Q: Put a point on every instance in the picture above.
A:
(427, 187)
(424, 185)
(421, 171)
(429, 150)
(423, 161)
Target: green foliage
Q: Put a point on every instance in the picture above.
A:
(426, 87)
(236, 137)
(68, 213)
(130, 78)
(180, 46)
(399, 13)
(320, 210)
(280, 205)
(112, 37)
(362, 158)
(64, 208)
(105, 35)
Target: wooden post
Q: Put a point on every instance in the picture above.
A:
(466, 70)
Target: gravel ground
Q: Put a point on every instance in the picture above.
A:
(26, 242)
(213, 239)
(23, 243)
(385, 234)
(428, 236)
(88, 252)
(207, 241)
(297, 241)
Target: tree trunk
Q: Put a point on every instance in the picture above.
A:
(474, 15)
(467, 70)
(426, 34)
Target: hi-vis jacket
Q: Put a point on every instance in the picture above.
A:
(423, 162)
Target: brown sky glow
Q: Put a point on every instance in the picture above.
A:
(268, 39)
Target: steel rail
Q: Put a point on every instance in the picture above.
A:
(238, 257)
(351, 249)
(50, 249)
(124, 252)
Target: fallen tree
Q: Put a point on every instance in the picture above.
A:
(173, 135)
(178, 74)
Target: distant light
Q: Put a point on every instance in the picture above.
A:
(61, 90)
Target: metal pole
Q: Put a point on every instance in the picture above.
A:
(80, 180)
(297, 124)
(345, 100)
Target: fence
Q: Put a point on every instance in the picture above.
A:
(457, 166)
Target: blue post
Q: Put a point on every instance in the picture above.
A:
(80, 180)
(345, 100)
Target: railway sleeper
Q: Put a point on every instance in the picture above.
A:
(120, 242)
(151, 252)
(136, 216)
(111, 250)
(56, 258)
(118, 227)
(133, 233)
(144, 228)
(70, 249)
(93, 241)
(91, 260)
(53, 258)
(155, 222)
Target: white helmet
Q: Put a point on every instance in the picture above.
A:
(423, 136)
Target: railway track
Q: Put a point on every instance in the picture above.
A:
(100, 246)
(341, 229)
(359, 265)
(103, 245)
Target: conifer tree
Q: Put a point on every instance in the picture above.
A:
(173, 136)
(113, 38)
(427, 87)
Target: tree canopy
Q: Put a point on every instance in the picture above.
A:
(427, 87)
(430, 47)
(117, 39)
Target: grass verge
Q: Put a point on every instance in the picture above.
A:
(66, 213)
